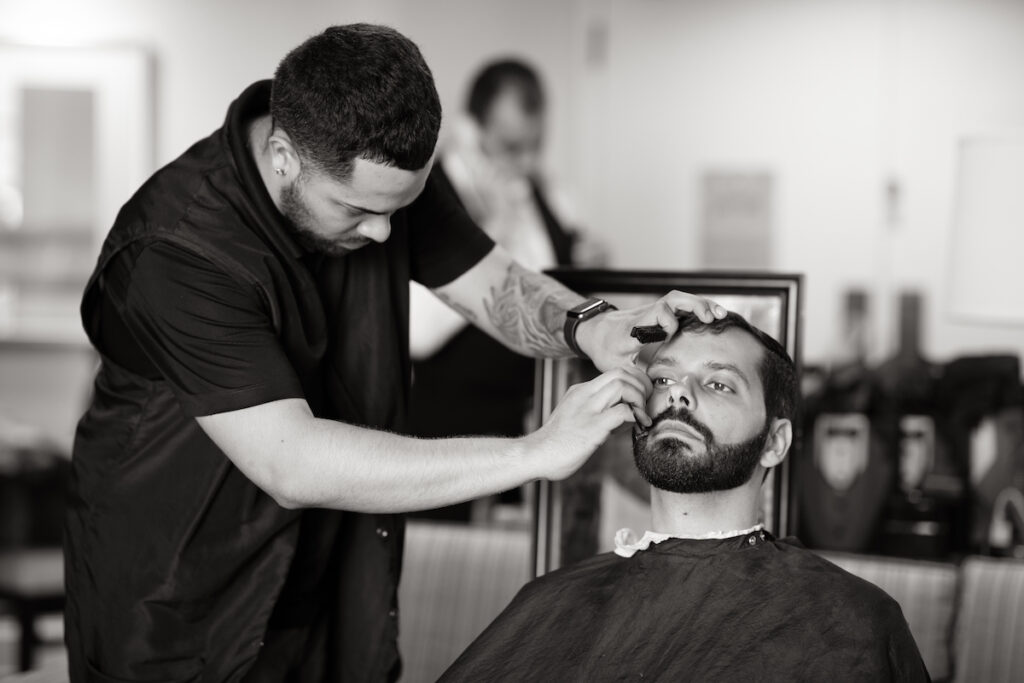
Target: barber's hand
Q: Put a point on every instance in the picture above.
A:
(584, 418)
(606, 340)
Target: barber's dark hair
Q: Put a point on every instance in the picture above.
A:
(498, 75)
(357, 91)
(777, 370)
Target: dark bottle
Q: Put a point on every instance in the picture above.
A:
(843, 474)
(982, 403)
(924, 512)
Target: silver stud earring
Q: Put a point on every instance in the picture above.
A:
(279, 171)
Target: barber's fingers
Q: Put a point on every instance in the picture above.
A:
(626, 383)
(610, 417)
(707, 310)
(624, 373)
(625, 389)
(663, 315)
(619, 392)
(620, 414)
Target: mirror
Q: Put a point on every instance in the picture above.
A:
(578, 517)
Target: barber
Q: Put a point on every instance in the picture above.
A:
(237, 475)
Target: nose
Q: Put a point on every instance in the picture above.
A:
(526, 163)
(376, 228)
(680, 394)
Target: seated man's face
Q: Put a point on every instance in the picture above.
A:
(710, 424)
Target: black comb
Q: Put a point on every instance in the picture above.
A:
(647, 334)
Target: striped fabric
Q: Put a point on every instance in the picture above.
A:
(989, 641)
(455, 580)
(926, 592)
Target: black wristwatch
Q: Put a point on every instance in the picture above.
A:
(574, 316)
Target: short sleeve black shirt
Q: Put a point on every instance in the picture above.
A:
(181, 317)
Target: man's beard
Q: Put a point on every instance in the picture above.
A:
(671, 465)
(302, 220)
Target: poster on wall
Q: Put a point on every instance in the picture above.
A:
(988, 231)
(75, 123)
(736, 224)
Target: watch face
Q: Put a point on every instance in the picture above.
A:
(589, 306)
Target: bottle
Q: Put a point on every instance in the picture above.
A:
(924, 513)
(982, 402)
(842, 472)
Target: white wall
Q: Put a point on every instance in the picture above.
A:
(836, 99)
(204, 52)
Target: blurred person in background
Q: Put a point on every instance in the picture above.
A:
(238, 478)
(707, 594)
(464, 381)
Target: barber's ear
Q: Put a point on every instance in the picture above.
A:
(282, 152)
(780, 437)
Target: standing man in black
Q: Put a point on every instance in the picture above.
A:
(236, 478)
(492, 163)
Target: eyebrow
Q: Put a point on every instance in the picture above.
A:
(361, 209)
(711, 365)
(729, 367)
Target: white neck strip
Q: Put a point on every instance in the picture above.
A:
(627, 544)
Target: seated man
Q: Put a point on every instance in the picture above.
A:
(708, 595)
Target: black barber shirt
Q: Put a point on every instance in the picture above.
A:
(178, 567)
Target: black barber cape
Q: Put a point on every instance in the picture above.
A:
(749, 608)
(178, 568)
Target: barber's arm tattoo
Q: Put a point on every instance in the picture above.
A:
(528, 311)
(464, 311)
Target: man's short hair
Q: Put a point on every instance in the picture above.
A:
(777, 370)
(357, 91)
(498, 75)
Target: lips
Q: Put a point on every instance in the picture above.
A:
(675, 428)
(353, 244)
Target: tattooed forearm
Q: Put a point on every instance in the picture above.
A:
(464, 311)
(528, 311)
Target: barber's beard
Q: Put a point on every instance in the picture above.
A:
(303, 224)
(671, 464)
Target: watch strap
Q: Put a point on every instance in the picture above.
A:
(574, 316)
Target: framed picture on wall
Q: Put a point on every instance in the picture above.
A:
(76, 140)
(578, 517)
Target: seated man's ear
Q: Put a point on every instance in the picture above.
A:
(780, 436)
